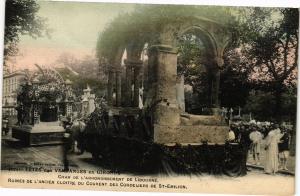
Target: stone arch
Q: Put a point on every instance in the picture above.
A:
(114, 77)
(161, 103)
(213, 35)
(211, 51)
(209, 59)
(133, 73)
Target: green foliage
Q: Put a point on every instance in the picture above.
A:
(145, 23)
(267, 52)
(80, 81)
(234, 87)
(190, 54)
(189, 64)
(51, 96)
(289, 104)
(25, 95)
(269, 42)
(21, 19)
(263, 104)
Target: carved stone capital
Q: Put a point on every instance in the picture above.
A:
(219, 60)
(115, 69)
(133, 63)
(162, 48)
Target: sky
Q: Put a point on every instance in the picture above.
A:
(75, 28)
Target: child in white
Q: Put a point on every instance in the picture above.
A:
(256, 138)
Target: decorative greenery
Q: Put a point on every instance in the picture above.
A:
(119, 145)
(146, 22)
(51, 95)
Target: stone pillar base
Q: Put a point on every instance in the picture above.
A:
(166, 115)
(216, 111)
(190, 134)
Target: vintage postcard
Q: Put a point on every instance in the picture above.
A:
(149, 97)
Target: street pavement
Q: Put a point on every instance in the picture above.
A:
(290, 163)
(52, 157)
(255, 182)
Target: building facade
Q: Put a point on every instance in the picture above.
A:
(11, 84)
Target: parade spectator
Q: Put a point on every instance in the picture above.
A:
(231, 136)
(66, 147)
(283, 148)
(67, 141)
(235, 129)
(245, 143)
(256, 138)
(272, 140)
(66, 121)
(5, 125)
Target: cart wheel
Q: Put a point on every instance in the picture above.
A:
(233, 169)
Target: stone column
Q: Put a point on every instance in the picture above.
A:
(118, 87)
(110, 86)
(129, 77)
(180, 92)
(133, 72)
(163, 61)
(137, 83)
(216, 88)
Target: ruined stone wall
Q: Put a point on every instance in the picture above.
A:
(188, 134)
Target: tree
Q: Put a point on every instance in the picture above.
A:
(234, 87)
(145, 23)
(268, 49)
(82, 72)
(21, 19)
(190, 56)
(261, 105)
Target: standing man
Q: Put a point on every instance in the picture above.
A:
(245, 143)
(283, 148)
(5, 125)
(67, 142)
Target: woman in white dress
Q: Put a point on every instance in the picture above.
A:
(272, 140)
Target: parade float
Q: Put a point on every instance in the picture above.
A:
(160, 136)
(43, 97)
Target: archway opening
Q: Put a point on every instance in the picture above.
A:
(49, 114)
(194, 72)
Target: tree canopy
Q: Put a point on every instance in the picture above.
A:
(146, 22)
(21, 19)
(268, 50)
(262, 56)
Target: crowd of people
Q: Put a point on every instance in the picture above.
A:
(272, 138)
